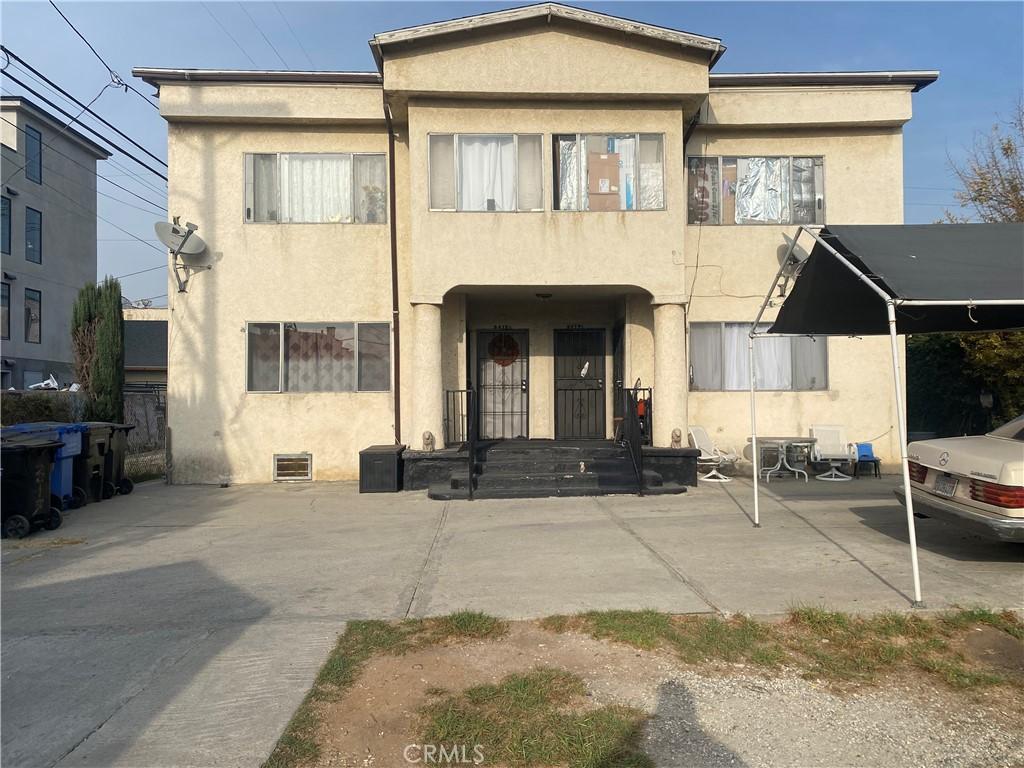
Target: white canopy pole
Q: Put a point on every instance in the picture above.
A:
(901, 423)
(753, 430)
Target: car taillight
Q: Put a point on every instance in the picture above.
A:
(1010, 496)
(918, 472)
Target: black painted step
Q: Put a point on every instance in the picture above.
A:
(442, 492)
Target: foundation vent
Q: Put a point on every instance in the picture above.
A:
(293, 466)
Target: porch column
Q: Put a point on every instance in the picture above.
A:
(670, 377)
(428, 391)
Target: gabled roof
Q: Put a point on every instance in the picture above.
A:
(711, 45)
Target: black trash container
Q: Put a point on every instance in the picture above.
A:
(88, 470)
(25, 485)
(380, 469)
(114, 478)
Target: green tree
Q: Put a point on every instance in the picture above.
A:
(97, 333)
(957, 368)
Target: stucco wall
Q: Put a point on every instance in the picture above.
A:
(268, 272)
(67, 200)
(735, 264)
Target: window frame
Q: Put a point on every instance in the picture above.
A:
(28, 324)
(5, 287)
(458, 176)
(579, 164)
(722, 326)
(352, 185)
(791, 158)
(8, 226)
(36, 134)
(39, 249)
(281, 362)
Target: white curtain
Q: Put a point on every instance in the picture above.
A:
(773, 362)
(316, 188)
(568, 174)
(762, 189)
(370, 181)
(626, 149)
(735, 361)
(487, 173)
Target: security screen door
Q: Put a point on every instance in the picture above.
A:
(579, 384)
(503, 381)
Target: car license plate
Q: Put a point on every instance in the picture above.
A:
(945, 485)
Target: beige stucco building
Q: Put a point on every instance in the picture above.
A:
(48, 239)
(477, 215)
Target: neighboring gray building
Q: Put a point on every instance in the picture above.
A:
(49, 239)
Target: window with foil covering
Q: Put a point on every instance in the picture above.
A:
(755, 190)
(609, 172)
(319, 357)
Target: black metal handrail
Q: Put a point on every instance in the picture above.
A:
(472, 433)
(456, 412)
(632, 435)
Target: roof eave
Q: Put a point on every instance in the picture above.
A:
(915, 79)
(154, 76)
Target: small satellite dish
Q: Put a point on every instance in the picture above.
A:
(181, 240)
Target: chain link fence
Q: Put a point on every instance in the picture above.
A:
(146, 410)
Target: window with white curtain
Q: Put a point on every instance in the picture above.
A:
(316, 188)
(755, 190)
(609, 172)
(318, 357)
(719, 359)
(485, 172)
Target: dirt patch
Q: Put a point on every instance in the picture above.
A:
(987, 645)
(722, 714)
(31, 543)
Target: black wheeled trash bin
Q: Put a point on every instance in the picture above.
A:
(89, 465)
(114, 478)
(380, 469)
(27, 462)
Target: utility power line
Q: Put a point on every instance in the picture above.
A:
(230, 36)
(114, 77)
(297, 38)
(71, 98)
(263, 34)
(94, 132)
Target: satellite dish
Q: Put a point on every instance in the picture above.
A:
(180, 240)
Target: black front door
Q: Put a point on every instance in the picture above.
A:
(579, 385)
(503, 381)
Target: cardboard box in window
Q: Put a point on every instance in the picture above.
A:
(603, 173)
(604, 202)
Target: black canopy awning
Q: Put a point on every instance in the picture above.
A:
(917, 262)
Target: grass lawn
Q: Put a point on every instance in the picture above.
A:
(545, 714)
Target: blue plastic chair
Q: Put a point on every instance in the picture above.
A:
(866, 455)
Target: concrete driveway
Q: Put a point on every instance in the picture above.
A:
(182, 625)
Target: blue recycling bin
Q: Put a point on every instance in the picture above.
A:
(63, 473)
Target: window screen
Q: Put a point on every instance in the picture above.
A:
(370, 189)
(529, 179)
(442, 172)
(374, 357)
(264, 357)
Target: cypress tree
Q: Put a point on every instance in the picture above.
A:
(98, 337)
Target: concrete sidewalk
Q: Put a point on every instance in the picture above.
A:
(183, 625)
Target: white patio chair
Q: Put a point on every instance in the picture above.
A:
(832, 448)
(711, 456)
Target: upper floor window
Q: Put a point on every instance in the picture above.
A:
(5, 215)
(5, 311)
(719, 359)
(33, 316)
(318, 357)
(33, 235)
(309, 188)
(609, 172)
(755, 190)
(485, 172)
(33, 155)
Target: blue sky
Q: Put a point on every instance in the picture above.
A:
(979, 47)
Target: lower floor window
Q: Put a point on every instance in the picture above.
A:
(719, 359)
(318, 357)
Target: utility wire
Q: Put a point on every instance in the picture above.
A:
(230, 36)
(114, 77)
(263, 34)
(62, 131)
(142, 271)
(91, 170)
(295, 36)
(71, 98)
(75, 119)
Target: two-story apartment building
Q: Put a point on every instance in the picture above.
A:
(537, 204)
(49, 239)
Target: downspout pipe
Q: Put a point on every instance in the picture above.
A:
(396, 335)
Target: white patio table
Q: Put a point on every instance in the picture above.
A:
(781, 444)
